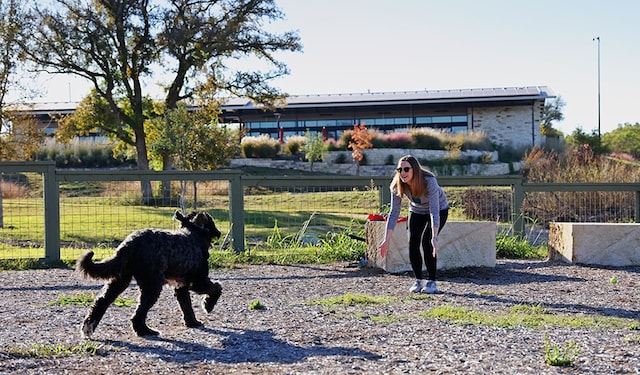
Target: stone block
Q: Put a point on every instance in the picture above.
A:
(605, 244)
(462, 244)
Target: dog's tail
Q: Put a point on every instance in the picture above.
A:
(106, 269)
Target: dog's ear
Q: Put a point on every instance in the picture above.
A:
(201, 220)
(205, 221)
(178, 216)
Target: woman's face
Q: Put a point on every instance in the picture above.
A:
(405, 171)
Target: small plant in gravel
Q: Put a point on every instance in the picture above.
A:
(40, 350)
(522, 315)
(352, 299)
(256, 305)
(86, 299)
(560, 355)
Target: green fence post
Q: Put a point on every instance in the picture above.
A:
(516, 215)
(637, 212)
(385, 197)
(236, 212)
(51, 214)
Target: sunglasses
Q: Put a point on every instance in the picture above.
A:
(406, 169)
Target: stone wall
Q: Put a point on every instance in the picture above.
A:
(516, 126)
(377, 163)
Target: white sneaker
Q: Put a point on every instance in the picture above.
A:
(417, 287)
(430, 288)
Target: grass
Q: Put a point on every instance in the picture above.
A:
(88, 348)
(560, 355)
(521, 315)
(351, 299)
(86, 299)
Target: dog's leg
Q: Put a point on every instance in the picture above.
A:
(184, 299)
(109, 294)
(149, 293)
(213, 291)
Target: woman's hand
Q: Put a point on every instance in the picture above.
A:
(384, 247)
(434, 243)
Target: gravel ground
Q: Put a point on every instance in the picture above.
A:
(291, 336)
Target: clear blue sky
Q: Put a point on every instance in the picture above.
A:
(404, 45)
(353, 46)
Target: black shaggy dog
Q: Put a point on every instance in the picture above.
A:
(155, 257)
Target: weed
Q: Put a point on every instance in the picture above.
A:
(256, 305)
(560, 355)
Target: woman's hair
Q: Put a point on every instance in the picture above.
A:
(417, 186)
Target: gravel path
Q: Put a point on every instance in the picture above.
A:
(293, 336)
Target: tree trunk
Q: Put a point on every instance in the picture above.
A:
(143, 165)
(165, 186)
(1, 214)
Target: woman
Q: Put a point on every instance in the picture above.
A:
(428, 212)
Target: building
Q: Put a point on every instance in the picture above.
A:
(508, 116)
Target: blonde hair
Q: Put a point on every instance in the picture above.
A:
(417, 186)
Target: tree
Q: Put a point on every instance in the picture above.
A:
(20, 136)
(624, 139)
(195, 140)
(121, 45)
(551, 112)
(313, 147)
(579, 138)
(360, 141)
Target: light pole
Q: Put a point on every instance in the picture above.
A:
(598, 40)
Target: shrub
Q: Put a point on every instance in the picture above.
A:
(294, 144)
(428, 139)
(82, 154)
(262, 146)
(389, 160)
(341, 159)
(333, 145)
(399, 140)
(508, 153)
(474, 140)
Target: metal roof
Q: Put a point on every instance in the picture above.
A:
(406, 97)
(359, 99)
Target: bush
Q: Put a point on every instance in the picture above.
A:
(341, 159)
(393, 140)
(428, 139)
(82, 154)
(294, 144)
(473, 140)
(262, 146)
(517, 247)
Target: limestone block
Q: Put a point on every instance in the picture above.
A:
(468, 244)
(462, 244)
(606, 244)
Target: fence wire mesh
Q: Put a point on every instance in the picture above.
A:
(99, 213)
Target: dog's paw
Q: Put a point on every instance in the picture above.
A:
(87, 329)
(209, 302)
(145, 331)
(193, 324)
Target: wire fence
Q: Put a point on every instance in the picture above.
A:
(97, 210)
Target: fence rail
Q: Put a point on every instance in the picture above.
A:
(72, 208)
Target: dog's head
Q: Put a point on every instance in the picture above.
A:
(200, 221)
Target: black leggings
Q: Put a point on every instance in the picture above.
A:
(420, 234)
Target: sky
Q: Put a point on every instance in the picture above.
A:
(355, 46)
